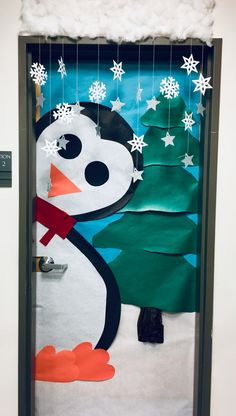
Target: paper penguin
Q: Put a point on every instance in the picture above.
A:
(83, 173)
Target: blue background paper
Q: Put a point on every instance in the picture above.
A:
(75, 86)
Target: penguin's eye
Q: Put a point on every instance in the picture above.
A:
(70, 146)
(96, 173)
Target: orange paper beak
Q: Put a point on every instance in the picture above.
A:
(60, 184)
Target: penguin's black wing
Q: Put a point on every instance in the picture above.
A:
(113, 302)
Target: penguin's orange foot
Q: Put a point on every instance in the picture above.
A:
(82, 363)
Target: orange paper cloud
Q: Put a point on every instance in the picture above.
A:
(82, 363)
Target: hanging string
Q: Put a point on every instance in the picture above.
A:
(202, 66)
(49, 185)
(38, 86)
(153, 66)
(39, 50)
(50, 78)
(98, 77)
(63, 82)
(77, 73)
(200, 120)
(189, 94)
(138, 107)
(171, 53)
(117, 60)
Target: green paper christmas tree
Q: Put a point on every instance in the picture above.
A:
(155, 232)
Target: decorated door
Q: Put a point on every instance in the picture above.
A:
(119, 132)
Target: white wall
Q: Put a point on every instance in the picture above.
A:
(224, 331)
(224, 327)
(9, 14)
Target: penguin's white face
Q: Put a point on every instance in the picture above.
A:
(88, 173)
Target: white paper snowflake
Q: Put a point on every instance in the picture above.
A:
(38, 73)
(62, 68)
(64, 113)
(169, 87)
(117, 70)
(97, 92)
(188, 121)
(51, 148)
(137, 143)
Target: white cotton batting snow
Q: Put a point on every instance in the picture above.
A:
(119, 20)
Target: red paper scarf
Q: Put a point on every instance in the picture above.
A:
(57, 221)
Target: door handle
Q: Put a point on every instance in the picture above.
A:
(46, 264)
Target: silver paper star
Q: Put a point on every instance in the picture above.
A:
(62, 142)
(152, 103)
(168, 139)
(51, 148)
(190, 64)
(188, 121)
(187, 160)
(98, 130)
(138, 93)
(49, 185)
(62, 68)
(78, 108)
(116, 105)
(200, 109)
(137, 175)
(202, 84)
(137, 143)
(40, 100)
(117, 70)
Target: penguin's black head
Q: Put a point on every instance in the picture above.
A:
(90, 176)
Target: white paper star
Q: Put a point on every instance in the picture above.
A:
(40, 100)
(152, 103)
(190, 64)
(202, 84)
(137, 175)
(116, 105)
(51, 148)
(117, 70)
(98, 130)
(139, 93)
(78, 108)
(200, 109)
(62, 142)
(187, 160)
(188, 121)
(62, 68)
(137, 143)
(168, 139)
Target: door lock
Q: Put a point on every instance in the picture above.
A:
(46, 264)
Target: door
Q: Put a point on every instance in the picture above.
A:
(119, 137)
